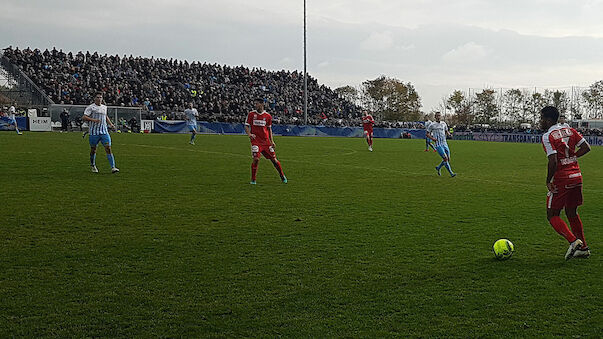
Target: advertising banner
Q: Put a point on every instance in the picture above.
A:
(515, 137)
(594, 140)
(170, 126)
(147, 125)
(41, 124)
(7, 125)
(179, 126)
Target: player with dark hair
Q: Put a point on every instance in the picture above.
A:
(427, 139)
(96, 115)
(437, 131)
(564, 180)
(562, 120)
(259, 129)
(191, 115)
(367, 125)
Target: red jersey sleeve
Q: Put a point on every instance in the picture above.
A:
(249, 119)
(577, 138)
(548, 142)
(269, 121)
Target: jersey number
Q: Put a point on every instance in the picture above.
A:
(564, 141)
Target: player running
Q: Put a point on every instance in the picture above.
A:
(427, 140)
(12, 120)
(564, 180)
(367, 125)
(191, 116)
(437, 131)
(96, 115)
(259, 129)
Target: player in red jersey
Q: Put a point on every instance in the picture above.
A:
(367, 124)
(259, 129)
(564, 179)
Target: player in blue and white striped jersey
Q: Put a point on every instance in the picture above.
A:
(191, 115)
(437, 131)
(96, 116)
(12, 119)
(427, 140)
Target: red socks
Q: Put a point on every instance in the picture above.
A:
(279, 168)
(254, 170)
(577, 229)
(561, 227)
(277, 165)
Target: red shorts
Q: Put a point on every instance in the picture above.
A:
(368, 131)
(266, 150)
(567, 196)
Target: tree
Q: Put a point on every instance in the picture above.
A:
(461, 106)
(485, 106)
(561, 101)
(348, 93)
(513, 104)
(537, 102)
(593, 98)
(392, 99)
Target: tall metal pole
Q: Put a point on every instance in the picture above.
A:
(305, 72)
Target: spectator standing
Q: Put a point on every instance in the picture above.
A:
(133, 125)
(64, 120)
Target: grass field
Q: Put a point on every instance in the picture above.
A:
(356, 244)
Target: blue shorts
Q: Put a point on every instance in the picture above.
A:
(192, 128)
(443, 150)
(105, 139)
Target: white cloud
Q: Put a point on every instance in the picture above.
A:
(466, 54)
(286, 61)
(553, 18)
(378, 41)
(406, 48)
(438, 45)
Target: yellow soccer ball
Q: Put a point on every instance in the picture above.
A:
(503, 249)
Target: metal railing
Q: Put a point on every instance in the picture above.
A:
(21, 88)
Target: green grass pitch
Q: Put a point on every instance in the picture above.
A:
(356, 244)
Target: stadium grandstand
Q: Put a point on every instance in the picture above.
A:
(164, 86)
(149, 88)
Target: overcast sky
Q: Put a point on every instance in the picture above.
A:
(438, 45)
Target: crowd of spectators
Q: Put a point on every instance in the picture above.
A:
(590, 131)
(163, 87)
(219, 92)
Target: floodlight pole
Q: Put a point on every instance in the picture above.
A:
(305, 72)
